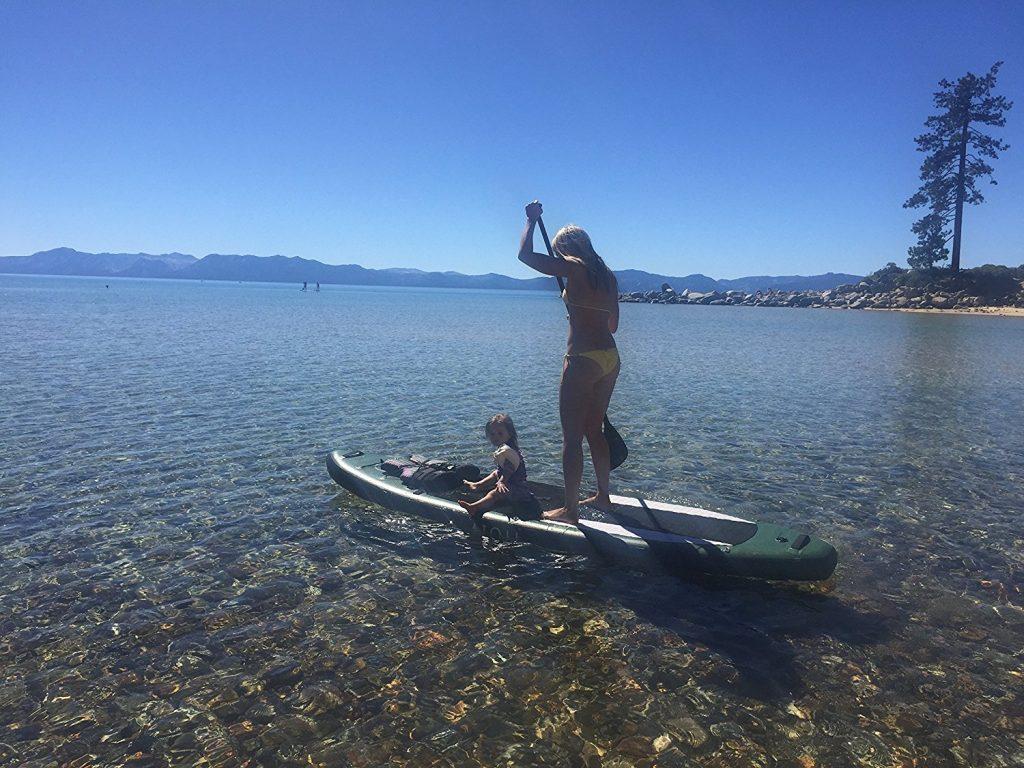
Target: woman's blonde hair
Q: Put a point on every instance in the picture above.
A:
(573, 242)
(505, 420)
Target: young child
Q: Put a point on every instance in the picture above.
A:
(508, 481)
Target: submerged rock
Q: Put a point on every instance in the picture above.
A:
(284, 673)
(688, 731)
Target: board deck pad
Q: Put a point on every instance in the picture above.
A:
(691, 522)
(663, 517)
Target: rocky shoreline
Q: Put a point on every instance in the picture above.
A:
(864, 295)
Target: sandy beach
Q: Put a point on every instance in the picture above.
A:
(996, 311)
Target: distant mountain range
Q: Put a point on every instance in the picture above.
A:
(291, 269)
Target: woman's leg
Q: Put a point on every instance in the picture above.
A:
(574, 395)
(594, 430)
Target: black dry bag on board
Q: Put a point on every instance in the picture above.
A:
(431, 475)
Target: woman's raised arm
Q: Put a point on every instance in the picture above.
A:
(541, 262)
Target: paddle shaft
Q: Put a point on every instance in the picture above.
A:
(551, 251)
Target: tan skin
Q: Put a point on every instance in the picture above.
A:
(584, 392)
(498, 491)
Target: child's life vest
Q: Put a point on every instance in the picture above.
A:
(510, 464)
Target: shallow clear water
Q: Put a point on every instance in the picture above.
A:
(182, 584)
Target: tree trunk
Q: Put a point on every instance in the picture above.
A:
(960, 184)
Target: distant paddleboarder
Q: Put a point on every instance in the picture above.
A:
(591, 363)
(304, 285)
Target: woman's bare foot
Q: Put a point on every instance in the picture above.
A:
(468, 506)
(561, 515)
(599, 501)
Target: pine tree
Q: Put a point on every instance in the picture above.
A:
(955, 163)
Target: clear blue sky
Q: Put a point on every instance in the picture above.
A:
(729, 138)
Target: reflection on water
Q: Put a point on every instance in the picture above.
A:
(183, 585)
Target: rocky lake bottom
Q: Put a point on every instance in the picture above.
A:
(184, 585)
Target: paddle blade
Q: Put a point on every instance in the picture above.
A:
(617, 450)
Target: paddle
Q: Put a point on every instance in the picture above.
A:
(617, 450)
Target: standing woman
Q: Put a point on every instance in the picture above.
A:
(591, 363)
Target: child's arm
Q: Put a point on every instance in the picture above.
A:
(487, 483)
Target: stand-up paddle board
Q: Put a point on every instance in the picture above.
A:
(650, 535)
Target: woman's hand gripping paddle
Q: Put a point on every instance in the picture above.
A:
(617, 450)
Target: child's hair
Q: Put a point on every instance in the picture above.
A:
(506, 422)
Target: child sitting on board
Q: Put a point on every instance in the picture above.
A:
(507, 483)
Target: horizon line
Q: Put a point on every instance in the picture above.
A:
(407, 269)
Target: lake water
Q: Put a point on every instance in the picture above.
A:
(182, 583)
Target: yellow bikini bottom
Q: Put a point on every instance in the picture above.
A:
(607, 359)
